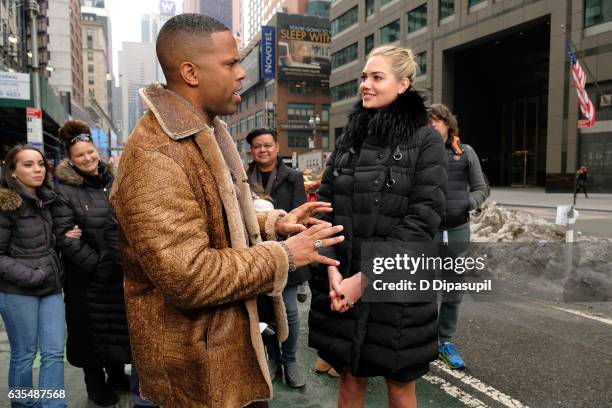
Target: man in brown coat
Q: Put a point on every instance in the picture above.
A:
(194, 256)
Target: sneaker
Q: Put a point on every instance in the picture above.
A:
(274, 369)
(448, 353)
(294, 377)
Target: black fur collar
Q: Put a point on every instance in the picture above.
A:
(390, 126)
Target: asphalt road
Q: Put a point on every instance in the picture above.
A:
(536, 354)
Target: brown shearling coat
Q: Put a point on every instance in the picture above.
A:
(194, 260)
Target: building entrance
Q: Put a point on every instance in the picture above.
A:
(500, 95)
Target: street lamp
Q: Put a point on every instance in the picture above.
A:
(313, 122)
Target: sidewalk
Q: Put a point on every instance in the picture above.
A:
(536, 197)
(321, 391)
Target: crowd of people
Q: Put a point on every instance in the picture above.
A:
(172, 263)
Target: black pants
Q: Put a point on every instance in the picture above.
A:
(581, 187)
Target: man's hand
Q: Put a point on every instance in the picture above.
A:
(305, 245)
(299, 219)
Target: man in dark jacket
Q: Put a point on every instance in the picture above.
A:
(269, 175)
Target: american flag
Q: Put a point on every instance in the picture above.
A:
(586, 107)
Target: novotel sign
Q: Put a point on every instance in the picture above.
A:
(268, 52)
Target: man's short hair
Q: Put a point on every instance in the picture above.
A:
(179, 33)
(261, 131)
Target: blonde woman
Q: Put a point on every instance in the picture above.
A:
(386, 180)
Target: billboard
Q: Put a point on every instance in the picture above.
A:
(268, 52)
(303, 47)
(250, 65)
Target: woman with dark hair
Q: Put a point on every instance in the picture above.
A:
(386, 180)
(31, 302)
(95, 310)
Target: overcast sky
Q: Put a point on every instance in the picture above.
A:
(125, 20)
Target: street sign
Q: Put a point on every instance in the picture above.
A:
(34, 126)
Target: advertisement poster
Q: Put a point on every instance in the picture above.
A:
(303, 48)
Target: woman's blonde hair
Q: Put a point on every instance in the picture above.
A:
(402, 61)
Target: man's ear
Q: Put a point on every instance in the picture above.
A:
(189, 74)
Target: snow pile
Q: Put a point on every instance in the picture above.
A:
(499, 224)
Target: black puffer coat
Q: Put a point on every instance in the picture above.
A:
(386, 181)
(95, 308)
(29, 265)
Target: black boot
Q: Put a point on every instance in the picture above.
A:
(117, 378)
(97, 389)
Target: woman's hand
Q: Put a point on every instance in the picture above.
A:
(335, 279)
(344, 293)
(74, 233)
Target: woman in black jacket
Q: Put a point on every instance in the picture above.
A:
(386, 180)
(95, 309)
(31, 302)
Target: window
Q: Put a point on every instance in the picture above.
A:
(390, 32)
(90, 80)
(597, 12)
(301, 87)
(344, 91)
(417, 18)
(368, 44)
(233, 129)
(472, 3)
(243, 125)
(325, 113)
(259, 117)
(369, 8)
(300, 111)
(89, 56)
(259, 94)
(447, 8)
(325, 140)
(383, 2)
(251, 122)
(299, 139)
(421, 63)
(270, 91)
(90, 68)
(344, 56)
(89, 39)
(344, 21)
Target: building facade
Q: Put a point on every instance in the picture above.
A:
(286, 85)
(96, 60)
(257, 13)
(17, 78)
(503, 67)
(137, 69)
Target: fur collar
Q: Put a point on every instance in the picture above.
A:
(10, 200)
(391, 126)
(176, 115)
(67, 174)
